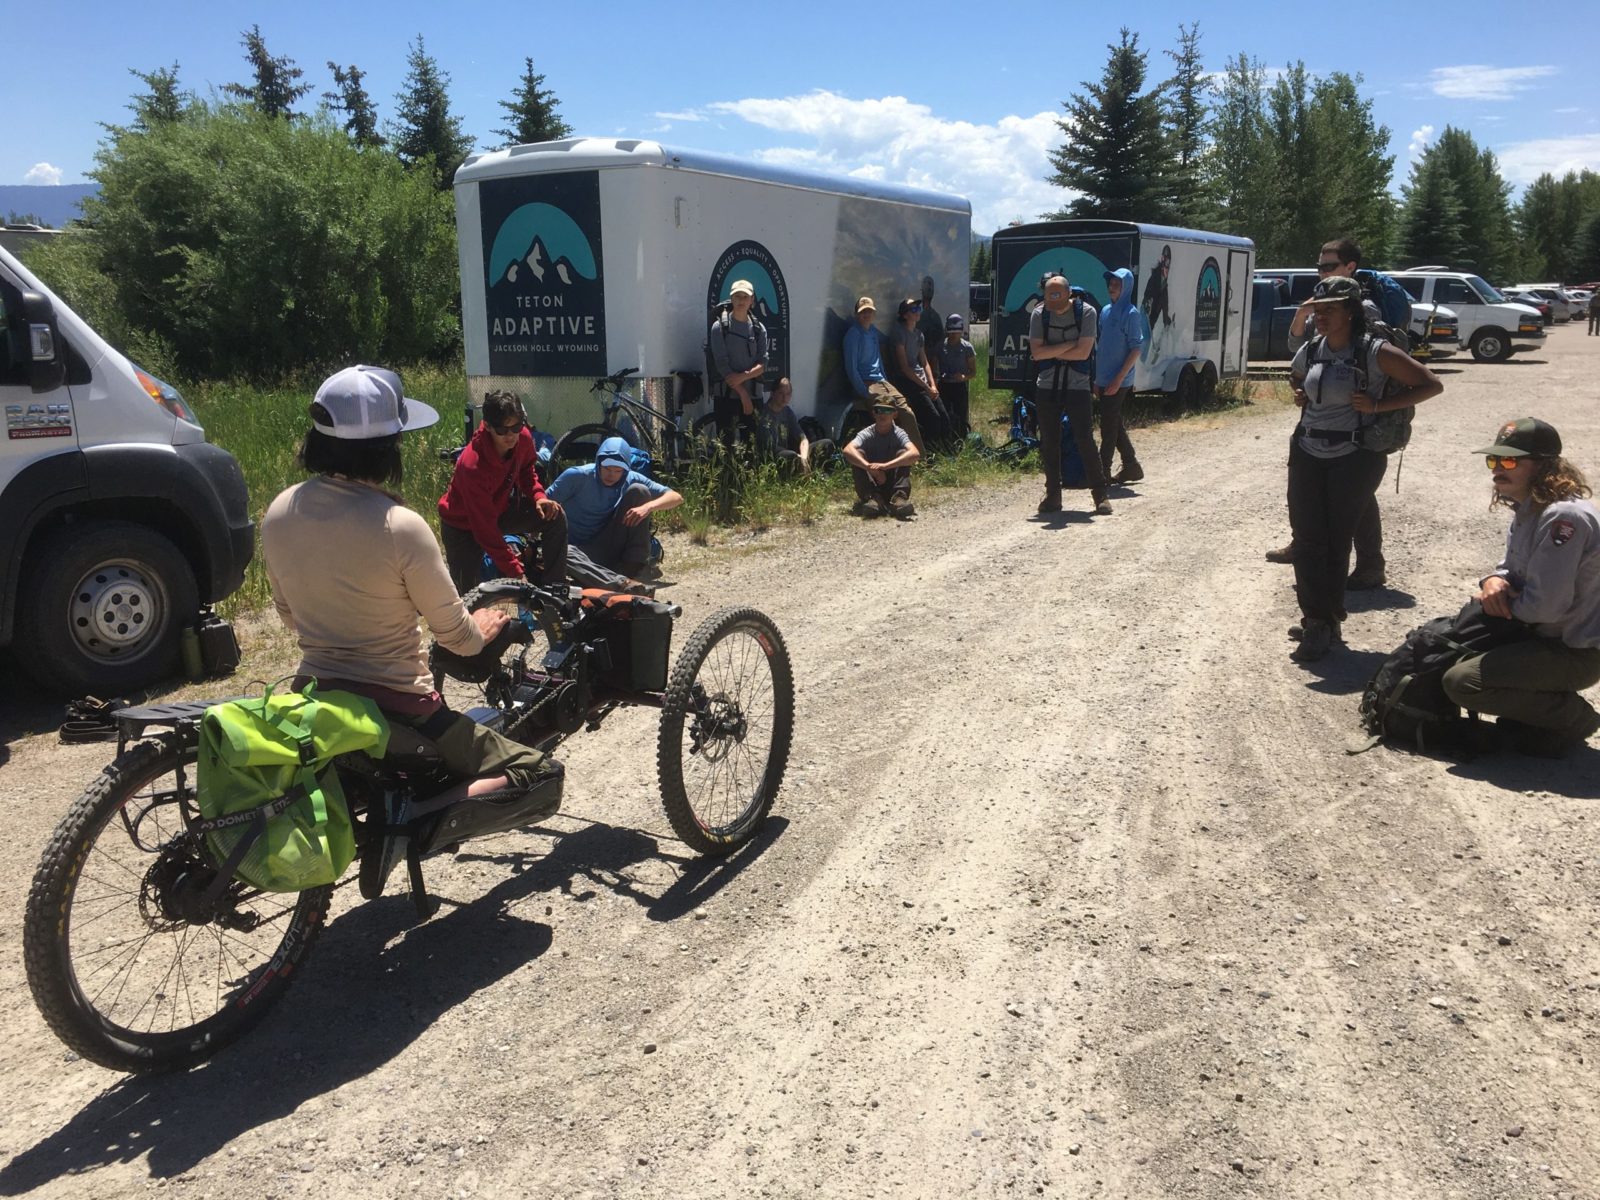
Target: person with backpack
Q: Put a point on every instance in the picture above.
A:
(738, 346)
(863, 365)
(1343, 379)
(958, 366)
(1549, 579)
(1342, 257)
(1061, 337)
(916, 372)
(1121, 340)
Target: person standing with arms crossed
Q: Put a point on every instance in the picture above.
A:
(1061, 335)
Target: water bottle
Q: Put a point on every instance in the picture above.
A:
(189, 646)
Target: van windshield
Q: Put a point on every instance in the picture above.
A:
(1487, 293)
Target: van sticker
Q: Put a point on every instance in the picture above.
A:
(1208, 302)
(24, 423)
(544, 286)
(753, 262)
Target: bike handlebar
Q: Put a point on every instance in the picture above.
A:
(615, 380)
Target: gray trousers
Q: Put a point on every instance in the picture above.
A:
(620, 547)
(1536, 682)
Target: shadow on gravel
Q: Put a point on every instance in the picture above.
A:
(359, 1003)
(1062, 519)
(1577, 776)
(1373, 599)
(1524, 362)
(1344, 672)
(24, 711)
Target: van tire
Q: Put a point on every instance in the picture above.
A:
(1490, 345)
(115, 562)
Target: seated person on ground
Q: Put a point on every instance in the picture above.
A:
(352, 569)
(608, 507)
(782, 433)
(1550, 580)
(880, 459)
(495, 490)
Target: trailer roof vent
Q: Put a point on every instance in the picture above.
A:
(545, 147)
(630, 144)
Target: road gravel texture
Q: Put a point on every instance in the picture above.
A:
(1072, 890)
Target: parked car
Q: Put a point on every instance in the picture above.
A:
(980, 300)
(1433, 328)
(1521, 296)
(1581, 299)
(1560, 306)
(1488, 324)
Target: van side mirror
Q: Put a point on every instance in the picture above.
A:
(47, 366)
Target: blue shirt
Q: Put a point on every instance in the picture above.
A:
(1120, 333)
(589, 503)
(862, 360)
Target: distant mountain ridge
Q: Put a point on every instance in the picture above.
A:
(55, 206)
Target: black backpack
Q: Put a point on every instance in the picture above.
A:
(715, 386)
(1404, 703)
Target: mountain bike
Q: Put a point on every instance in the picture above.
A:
(669, 443)
(144, 953)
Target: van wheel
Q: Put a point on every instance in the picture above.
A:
(105, 609)
(1490, 345)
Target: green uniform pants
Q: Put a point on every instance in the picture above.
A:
(1536, 682)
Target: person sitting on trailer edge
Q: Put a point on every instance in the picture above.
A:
(609, 506)
(784, 437)
(880, 459)
(1549, 579)
(495, 490)
(863, 363)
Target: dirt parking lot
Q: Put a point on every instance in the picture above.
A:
(1071, 890)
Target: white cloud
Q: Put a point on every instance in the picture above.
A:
(43, 173)
(1000, 167)
(1419, 142)
(1479, 82)
(1523, 162)
(691, 115)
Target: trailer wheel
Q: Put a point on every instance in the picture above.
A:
(104, 609)
(1184, 393)
(1208, 384)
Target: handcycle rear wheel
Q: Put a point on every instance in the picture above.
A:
(127, 965)
(727, 721)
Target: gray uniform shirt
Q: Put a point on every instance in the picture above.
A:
(741, 347)
(1330, 385)
(1553, 557)
(783, 427)
(912, 341)
(1048, 328)
(878, 447)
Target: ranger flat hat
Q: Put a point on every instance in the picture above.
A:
(1525, 437)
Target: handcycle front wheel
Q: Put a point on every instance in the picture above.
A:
(727, 721)
(127, 963)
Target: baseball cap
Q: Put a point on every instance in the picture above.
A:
(613, 450)
(741, 285)
(865, 304)
(367, 402)
(1525, 436)
(1337, 289)
(883, 406)
(955, 323)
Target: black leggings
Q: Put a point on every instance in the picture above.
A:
(1326, 499)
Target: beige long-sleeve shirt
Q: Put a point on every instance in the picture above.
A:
(352, 569)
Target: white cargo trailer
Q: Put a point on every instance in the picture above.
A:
(589, 255)
(1193, 289)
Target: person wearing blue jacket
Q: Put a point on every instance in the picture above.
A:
(863, 364)
(608, 507)
(1121, 340)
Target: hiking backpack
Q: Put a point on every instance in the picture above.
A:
(1384, 432)
(715, 386)
(1393, 301)
(1079, 296)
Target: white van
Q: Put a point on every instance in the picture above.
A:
(1490, 326)
(117, 519)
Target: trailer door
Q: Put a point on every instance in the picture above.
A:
(1236, 314)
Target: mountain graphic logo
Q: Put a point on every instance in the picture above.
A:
(539, 247)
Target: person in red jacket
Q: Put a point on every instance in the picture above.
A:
(494, 491)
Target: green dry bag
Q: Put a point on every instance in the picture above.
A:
(272, 809)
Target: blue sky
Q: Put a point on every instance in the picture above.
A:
(952, 97)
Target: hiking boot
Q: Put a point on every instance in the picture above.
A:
(1316, 639)
(1050, 504)
(387, 845)
(1284, 554)
(1102, 506)
(1365, 578)
(1130, 473)
(901, 507)
(872, 508)
(1296, 632)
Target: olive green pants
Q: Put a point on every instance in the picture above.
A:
(1536, 682)
(473, 751)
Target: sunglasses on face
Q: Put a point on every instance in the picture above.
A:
(509, 430)
(1324, 268)
(1495, 463)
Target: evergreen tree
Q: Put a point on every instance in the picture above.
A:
(532, 112)
(1586, 262)
(351, 99)
(1487, 236)
(277, 80)
(1238, 174)
(1300, 225)
(1184, 111)
(1431, 229)
(424, 131)
(981, 262)
(161, 102)
(1351, 170)
(1113, 152)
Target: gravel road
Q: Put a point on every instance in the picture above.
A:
(1072, 890)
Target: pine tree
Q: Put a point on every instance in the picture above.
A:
(532, 112)
(1113, 153)
(1487, 237)
(1430, 223)
(1184, 110)
(981, 264)
(424, 129)
(277, 80)
(1238, 174)
(1351, 170)
(161, 102)
(360, 117)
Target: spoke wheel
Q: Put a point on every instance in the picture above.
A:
(581, 443)
(127, 962)
(726, 724)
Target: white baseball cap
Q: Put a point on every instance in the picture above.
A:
(368, 402)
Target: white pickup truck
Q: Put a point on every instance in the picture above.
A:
(1489, 325)
(117, 519)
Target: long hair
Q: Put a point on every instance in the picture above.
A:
(1554, 481)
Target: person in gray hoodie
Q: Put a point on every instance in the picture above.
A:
(1550, 581)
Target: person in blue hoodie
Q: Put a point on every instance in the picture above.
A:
(1121, 340)
(608, 507)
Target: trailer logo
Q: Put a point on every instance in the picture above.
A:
(544, 294)
(1208, 303)
(753, 262)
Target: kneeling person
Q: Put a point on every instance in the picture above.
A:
(608, 507)
(880, 458)
(1550, 580)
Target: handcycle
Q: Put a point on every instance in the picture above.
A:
(668, 442)
(144, 955)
